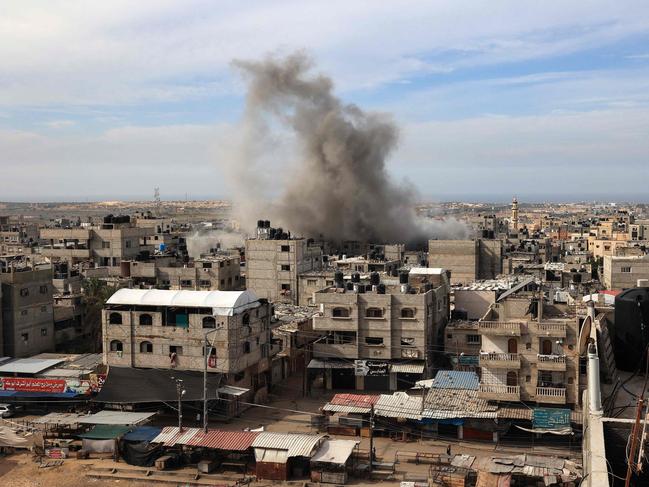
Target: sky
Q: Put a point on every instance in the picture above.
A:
(107, 100)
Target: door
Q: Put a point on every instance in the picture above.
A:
(512, 379)
(546, 347)
(512, 345)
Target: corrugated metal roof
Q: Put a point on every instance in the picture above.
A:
(297, 445)
(224, 440)
(28, 365)
(457, 403)
(116, 417)
(335, 408)
(356, 400)
(105, 432)
(223, 303)
(335, 451)
(232, 390)
(435, 271)
(329, 364)
(399, 405)
(515, 413)
(170, 435)
(455, 379)
(59, 418)
(407, 368)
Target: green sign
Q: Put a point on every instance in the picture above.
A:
(469, 360)
(550, 418)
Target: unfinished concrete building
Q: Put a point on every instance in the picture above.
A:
(27, 308)
(624, 272)
(274, 260)
(166, 329)
(468, 260)
(17, 237)
(380, 335)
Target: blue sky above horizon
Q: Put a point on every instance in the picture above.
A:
(107, 100)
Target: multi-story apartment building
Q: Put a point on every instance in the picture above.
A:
(167, 329)
(27, 308)
(380, 336)
(17, 237)
(624, 272)
(522, 358)
(117, 239)
(213, 273)
(274, 260)
(468, 260)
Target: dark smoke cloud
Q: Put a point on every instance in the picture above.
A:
(340, 187)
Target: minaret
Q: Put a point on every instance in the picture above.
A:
(515, 214)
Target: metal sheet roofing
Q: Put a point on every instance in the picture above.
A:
(399, 405)
(457, 403)
(407, 368)
(59, 418)
(335, 408)
(223, 303)
(232, 390)
(329, 364)
(435, 271)
(28, 365)
(297, 445)
(455, 379)
(143, 433)
(357, 400)
(116, 417)
(105, 432)
(335, 451)
(217, 439)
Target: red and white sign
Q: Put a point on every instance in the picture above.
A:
(29, 384)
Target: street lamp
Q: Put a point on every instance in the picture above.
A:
(207, 350)
(181, 392)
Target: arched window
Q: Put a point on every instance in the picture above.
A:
(146, 347)
(146, 320)
(407, 313)
(374, 313)
(115, 318)
(512, 378)
(209, 322)
(116, 346)
(246, 319)
(340, 313)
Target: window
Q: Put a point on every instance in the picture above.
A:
(222, 282)
(286, 248)
(408, 342)
(625, 270)
(25, 337)
(128, 244)
(407, 313)
(177, 349)
(207, 265)
(528, 346)
(246, 347)
(340, 313)
(24, 292)
(329, 282)
(204, 283)
(115, 319)
(43, 289)
(245, 319)
(311, 282)
(374, 340)
(43, 332)
(146, 347)
(449, 336)
(528, 378)
(286, 267)
(220, 264)
(286, 287)
(229, 281)
(473, 339)
(185, 282)
(374, 313)
(146, 320)
(116, 346)
(105, 245)
(209, 322)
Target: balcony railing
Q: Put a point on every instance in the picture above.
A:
(501, 392)
(554, 359)
(552, 329)
(500, 360)
(554, 395)
(499, 328)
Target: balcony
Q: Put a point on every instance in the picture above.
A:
(551, 395)
(499, 328)
(551, 362)
(557, 330)
(500, 360)
(344, 350)
(499, 392)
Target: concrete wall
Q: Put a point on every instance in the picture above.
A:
(475, 303)
(615, 278)
(458, 256)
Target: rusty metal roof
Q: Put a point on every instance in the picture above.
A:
(217, 439)
(357, 400)
(171, 436)
(297, 445)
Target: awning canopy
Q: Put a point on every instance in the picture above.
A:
(116, 417)
(335, 451)
(105, 432)
(143, 433)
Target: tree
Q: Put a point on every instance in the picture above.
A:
(96, 293)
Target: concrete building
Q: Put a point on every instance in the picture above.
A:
(274, 260)
(311, 282)
(468, 260)
(166, 329)
(27, 308)
(117, 239)
(624, 272)
(380, 336)
(17, 237)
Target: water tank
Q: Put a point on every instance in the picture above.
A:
(403, 278)
(260, 223)
(266, 223)
(380, 289)
(375, 279)
(350, 286)
(339, 279)
(356, 277)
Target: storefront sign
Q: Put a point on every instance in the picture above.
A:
(550, 418)
(29, 384)
(371, 367)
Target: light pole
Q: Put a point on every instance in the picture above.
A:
(207, 350)
(181, 392)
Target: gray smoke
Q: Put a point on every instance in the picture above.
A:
(339, 186)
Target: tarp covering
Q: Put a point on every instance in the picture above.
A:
(125, 385)
(556, 431)
(141, 454)
(142, 433)
(9, 437)
(98, 446)
(105, 432)
(263, 455)
(334, 451)
(487, 479)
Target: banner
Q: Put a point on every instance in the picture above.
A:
(551, 418)
(30, 384)
(371, 367)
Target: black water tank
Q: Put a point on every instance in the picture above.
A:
(266, 223)
(350, 286)
(375, 279)
(260, 223)
(356, 277)
(380, 289)
(339, 279)
(403, 278)
(631, 330)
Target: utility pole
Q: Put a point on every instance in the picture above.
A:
(207, 351)
(634, 443)
(181, 392)
(371, 437)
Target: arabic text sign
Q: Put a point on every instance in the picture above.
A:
(29, 384)
(550, 418)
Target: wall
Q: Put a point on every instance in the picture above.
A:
(458, 256)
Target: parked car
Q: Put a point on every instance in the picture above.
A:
(7, 410)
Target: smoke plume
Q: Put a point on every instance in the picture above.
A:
(337, 186)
